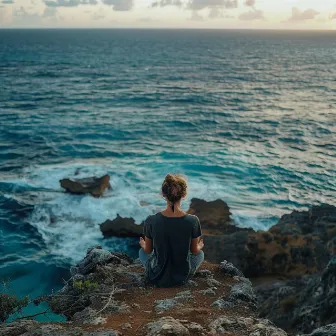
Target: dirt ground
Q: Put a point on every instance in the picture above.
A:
(141, 302)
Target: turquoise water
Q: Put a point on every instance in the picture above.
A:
(248, 116)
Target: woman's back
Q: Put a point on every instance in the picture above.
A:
(169, 263)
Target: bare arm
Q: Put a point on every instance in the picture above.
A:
(146, 244)
(196, 245)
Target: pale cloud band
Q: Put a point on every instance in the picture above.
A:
(69, 3)
(118, 5)
(256, 13)
(298, 15)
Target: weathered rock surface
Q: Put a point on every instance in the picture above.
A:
(108, 290)
(230, 269)
(121, 227)
(242, 291)
(302, 304)
(212, 215)
(301, 242)
(166, 326)
(241, 294)
(253, 327)
(301, 245)
(328, 330)
(90, 185)
(33, 328)
(108, 294)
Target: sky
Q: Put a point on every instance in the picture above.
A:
(221, 14)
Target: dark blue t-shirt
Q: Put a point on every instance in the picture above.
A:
(168, 265)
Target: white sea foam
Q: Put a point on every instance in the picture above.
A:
(69, 224)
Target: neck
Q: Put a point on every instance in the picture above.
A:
(177, 207)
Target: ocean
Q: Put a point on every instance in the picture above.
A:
(248, 116)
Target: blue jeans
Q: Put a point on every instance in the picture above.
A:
(195, 259)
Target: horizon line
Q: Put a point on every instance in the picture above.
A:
(166, 28)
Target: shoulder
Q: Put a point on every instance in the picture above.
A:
(193, 219)
(150, 219)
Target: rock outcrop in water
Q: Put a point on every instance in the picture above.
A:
(90, 185)
(121, 227)
(300, 243)
(214, 215)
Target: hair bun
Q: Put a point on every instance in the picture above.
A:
(170, 178)
(174, 187)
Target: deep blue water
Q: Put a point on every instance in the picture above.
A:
(248, 116)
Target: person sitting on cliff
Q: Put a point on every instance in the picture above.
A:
(171, 249)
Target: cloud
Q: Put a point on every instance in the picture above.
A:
(308, 14)
(119, 5)
(163, 3)
(215, 13)
(252, 15)
(51, 15)
(98, 16)
(146, 19)
(69, 3)
(196, 17)
(50, 12)
(7, 2)
(250, 3)
(200, 4)
(23, 18)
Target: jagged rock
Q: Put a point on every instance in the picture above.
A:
(191, 283)
(251, 326)
(229, 269)
(300, 243)
(33, 328)
(121, 227)
(97, 256)
(301, 304)
(240, 293)
(166, 326)
(17, 328)
(90, 185)
(135, 278)
(88, 316)
(213, 282)
(328, 330)
(212, 215)
(194, 328)
(184, 293)
(243, 291)
(126, 326)
(166, 304)
(222, 304)
(94, 278)
(95, 292)
(229, 247)
(203, 274)
(208, 292)
(319, 219)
